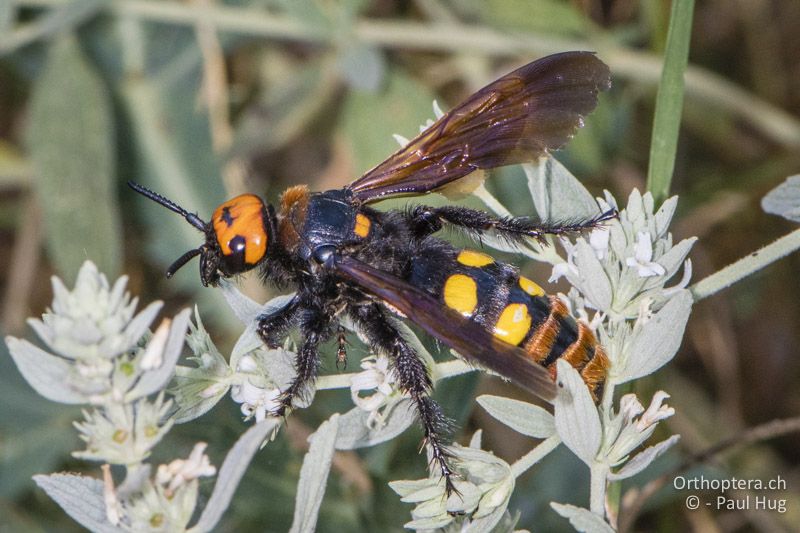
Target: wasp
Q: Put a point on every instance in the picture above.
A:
(347, 259)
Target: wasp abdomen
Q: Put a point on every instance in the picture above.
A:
(513, 308)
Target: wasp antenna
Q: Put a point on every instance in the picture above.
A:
(182, 260)
(191, 218)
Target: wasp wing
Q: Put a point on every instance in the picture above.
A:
(466, 337)
(515, 119)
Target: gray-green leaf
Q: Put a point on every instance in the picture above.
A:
(656, 342)
(314, 476)
(45, 372)
(72, 145)
(231, 471)
(582, 519)
(577, 420)
(522, 417)
(784, 200)
(81, 497)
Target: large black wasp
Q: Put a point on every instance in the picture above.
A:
(347, 259)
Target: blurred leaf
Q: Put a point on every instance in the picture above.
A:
(310, 12)
(784, 200)
(71, 142)
(293, 94)
(8, 12)
(14, 168)
(548, 16)
(669, 101)
(362, 66)
(58, 19)
(369, 120)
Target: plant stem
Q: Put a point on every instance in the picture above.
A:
(597, 497)
(746, 266)
(535, 455)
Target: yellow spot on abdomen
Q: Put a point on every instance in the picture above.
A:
(362, 225)
(471, 258)
(513, 324)
(461, 294)
(530, 287)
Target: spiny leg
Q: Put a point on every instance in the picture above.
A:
(427, 220)
(413, 378)
(272, 328)
(315, 329)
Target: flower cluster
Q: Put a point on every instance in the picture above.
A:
(378, 378)
(621, 268)
(483, 488)
(165, 503)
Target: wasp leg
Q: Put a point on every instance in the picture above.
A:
(428, 220)
(413, 378)
(272, 328)
(315, 327)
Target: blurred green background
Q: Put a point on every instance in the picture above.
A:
(202, 100)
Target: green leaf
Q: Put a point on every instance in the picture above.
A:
(669, 102)
(71, 143)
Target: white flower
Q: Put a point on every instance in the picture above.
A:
(94, 320)
(566, 268)
(633, 425)
(378, 377)
(124, 433)
(655, 412)
(598, 240)
(256, 401)
(181, 471)
(643, 255)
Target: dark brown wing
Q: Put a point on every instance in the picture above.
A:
(515, 119)
(463, 335)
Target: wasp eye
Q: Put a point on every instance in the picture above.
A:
(237, 245)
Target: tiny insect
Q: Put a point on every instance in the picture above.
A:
(349, 260)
